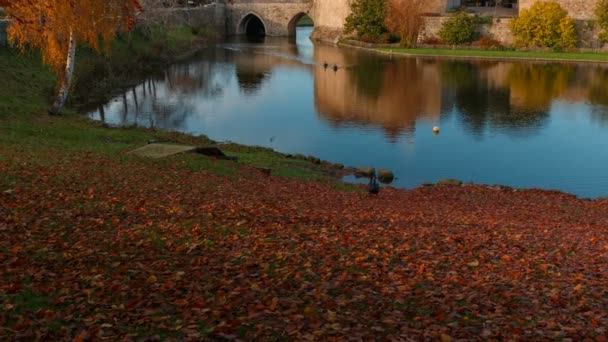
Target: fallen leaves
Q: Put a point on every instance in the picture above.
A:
(132, 249)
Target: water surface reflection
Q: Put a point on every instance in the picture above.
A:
(520, 124)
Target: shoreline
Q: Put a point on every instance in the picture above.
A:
(120, 139)
(477, 54)
(334, 170)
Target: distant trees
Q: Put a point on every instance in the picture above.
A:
(404, 19)
(55, 27)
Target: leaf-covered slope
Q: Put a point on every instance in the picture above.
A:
(123, 248)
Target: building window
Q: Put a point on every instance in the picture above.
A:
(490, 3)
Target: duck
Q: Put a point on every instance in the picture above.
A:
(325, 65)
(373, 187)
(335, 67)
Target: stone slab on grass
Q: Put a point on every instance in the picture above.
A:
(162, 150)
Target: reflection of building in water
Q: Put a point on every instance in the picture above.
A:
(254, 62)
(372, 90)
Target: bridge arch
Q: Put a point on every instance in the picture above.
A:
(252, 24)
(292, 25)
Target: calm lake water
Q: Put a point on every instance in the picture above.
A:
(540, 125)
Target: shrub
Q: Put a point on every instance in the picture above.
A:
(403, 18)
(601, 15)
(459, 29)
(366, 18)
(484, 20)
(488, 43)
(545, 24)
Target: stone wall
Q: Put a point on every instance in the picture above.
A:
(209, 15)
(329, 17)
(435, 6)
(499, 30)
(577, 9)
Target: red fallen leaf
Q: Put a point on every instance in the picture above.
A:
(149, 277)
(181, 302)
(81, 337)
(273, 304)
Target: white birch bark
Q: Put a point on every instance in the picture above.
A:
(66, 81)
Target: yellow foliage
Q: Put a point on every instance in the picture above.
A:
(48, 24)
(545, 24)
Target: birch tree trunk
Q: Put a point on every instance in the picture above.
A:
(66, 80)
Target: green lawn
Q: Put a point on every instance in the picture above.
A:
(572, 56)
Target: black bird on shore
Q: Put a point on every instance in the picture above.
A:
(325, 65)
(335, 67)
(373, 187)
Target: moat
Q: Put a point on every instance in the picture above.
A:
(521, 124)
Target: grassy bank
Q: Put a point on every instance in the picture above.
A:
(500, 54)
(134, 56)
(29, 86)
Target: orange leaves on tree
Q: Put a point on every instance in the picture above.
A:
(47, 25)
(55, 27)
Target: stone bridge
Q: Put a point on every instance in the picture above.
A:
(267, 17)
(279, 17)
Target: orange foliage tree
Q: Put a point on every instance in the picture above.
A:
(404, 19)
(55, 27)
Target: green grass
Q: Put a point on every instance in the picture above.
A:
(280, 166)
(574, 56)
(27, 300)
(27, 85)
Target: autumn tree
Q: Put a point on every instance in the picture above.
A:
(404, 19)
(55, 27)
